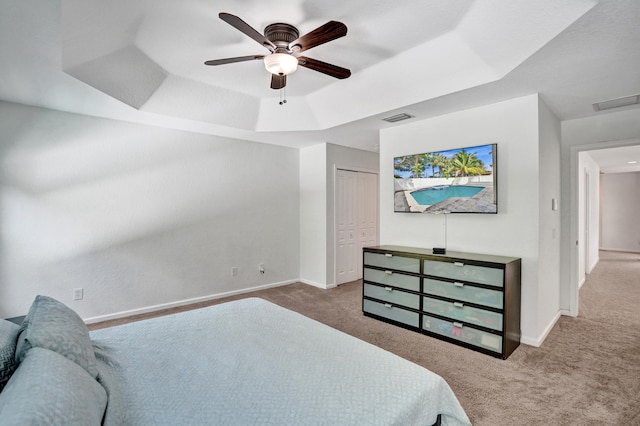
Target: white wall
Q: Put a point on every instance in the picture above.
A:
(549, 219)
(620, 207)
(515, 230)
(138, 216)
(313, 215)
(318, 165)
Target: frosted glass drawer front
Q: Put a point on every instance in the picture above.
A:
(463, 333)
(467, 314)
(392, 261)
(464, 272)
(390, 295)
(464, 293)
(395, 279)
(392, 312)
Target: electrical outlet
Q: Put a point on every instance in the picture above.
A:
(234, 271)
(78, 294)
(261, 268)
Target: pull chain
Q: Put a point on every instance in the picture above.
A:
(283, 96)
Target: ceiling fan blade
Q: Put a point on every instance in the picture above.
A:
(327, 32)
(278, 81)
(247, 29)
(232, 60)
(323, 67)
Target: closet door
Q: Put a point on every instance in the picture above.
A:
(356, 221)
(346, 226)
(367, 214)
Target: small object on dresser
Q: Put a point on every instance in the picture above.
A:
(439, 250)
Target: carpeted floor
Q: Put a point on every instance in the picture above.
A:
(587, 372)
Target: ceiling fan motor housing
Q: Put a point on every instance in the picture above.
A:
(281, 35)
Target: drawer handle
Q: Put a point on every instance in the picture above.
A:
(388, 305)
(458, 304)
(389, 289)
(388, 272)
(457, 324)
(457, 284)
(458, 263)
(388, 254)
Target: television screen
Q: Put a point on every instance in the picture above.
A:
(462, 180)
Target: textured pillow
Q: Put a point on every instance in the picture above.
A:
(8, 337)
(52, 325)
(48, 389)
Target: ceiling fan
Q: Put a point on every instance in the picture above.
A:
(285, 45)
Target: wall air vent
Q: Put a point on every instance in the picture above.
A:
(617, 103)
(397, 117)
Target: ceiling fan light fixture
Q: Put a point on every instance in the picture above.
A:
(281, 63)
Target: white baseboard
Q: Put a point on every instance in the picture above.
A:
(567, 313)
(538, 340)
(582, 281)
(315, 284)
(593, 264)
(184, 302)
(619, 250)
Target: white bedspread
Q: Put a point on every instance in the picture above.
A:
(252, 362)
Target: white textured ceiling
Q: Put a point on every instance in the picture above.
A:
(142, 61)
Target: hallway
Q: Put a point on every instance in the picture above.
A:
(611, 293)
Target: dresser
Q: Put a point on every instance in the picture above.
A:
(472, 300)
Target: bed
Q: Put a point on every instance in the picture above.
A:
(238, 363)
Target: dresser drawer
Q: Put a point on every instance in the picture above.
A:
(393, 296)
(391, 312)
(463, 333)
(459, 312)
(464, 293)
(465, 272)
(391, 261)
(395, 279)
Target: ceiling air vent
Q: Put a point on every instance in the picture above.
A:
(617, 103)
(397, 117)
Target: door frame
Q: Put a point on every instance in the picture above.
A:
(587, 222)
(335, 209)
(571, 234)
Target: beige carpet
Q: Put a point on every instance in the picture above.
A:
(587, 372)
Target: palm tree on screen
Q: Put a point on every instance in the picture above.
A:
(418, 166)
(467, 164)
(413, 164)
(439, 161)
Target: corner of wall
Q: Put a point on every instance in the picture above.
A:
(549, 219)
(538, 340)
(313, 214)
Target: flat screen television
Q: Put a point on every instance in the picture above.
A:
(461, 180)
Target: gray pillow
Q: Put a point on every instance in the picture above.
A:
(8, 337)
(52, 325)
(49, 389)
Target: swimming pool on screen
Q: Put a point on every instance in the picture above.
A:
(436, 194)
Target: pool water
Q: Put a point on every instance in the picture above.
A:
(436, 194)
